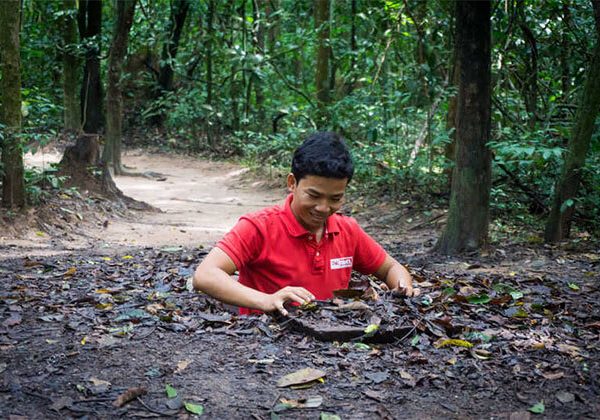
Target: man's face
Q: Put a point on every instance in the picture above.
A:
(315, 198)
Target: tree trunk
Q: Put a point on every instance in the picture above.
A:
(468, 218)
(179, 11)
(565, 54)
(90, 25)
(210, 33)
(450, 147)
(72, 112)
(259, 44)
(114, 97)
(558, 225)
(323, 54)
(13, 187)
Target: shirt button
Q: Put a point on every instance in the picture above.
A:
(310, 237)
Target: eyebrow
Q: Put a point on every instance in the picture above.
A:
(316, 192)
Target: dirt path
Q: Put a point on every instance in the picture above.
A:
(200, 200)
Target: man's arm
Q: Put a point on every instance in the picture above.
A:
(213, 277)
(396, 276)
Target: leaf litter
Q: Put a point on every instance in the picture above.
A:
(82, 331)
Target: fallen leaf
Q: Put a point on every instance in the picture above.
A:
(553, 375)
(194, 408)
(407, 378)
(377, 377)
(129, 395)
(565, 397)
(370, 329)
(481, 354)
(182, 365)
(99, 386)
(302, 376)
(573, 286)
(478, 299)
(328, 416)
(171, 392)
(102, 291)
(538, 408)
(374, 395)
(70, 272)
(452, 342)
(572, 351)
(520, 415)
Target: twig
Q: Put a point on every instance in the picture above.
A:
(155, 411)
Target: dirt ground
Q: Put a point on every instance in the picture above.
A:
(198, 200)
(93, 317)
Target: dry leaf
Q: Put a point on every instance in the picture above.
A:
(130, 394)
(302, 376)
(182, 365)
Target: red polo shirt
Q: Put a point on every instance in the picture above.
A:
(271, 250)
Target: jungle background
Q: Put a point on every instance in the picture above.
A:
(474, 130)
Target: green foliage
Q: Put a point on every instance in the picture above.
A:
(39, 182)
(383, 85)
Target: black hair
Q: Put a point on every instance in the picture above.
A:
(325, 154)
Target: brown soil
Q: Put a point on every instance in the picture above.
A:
(504, 335)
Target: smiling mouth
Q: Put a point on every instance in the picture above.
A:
(319, 218)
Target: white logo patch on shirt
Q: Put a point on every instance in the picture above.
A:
(339, 263)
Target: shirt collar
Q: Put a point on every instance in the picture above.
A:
(296, 229)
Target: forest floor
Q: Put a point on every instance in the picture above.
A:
(96, 311)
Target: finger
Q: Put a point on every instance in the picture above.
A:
(282, 310)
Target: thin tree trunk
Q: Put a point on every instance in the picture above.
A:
(72, 111)
(565, 55)
(259, 41)
(210, 33)
(530, 75)
(558, 225)
(13, 187)
(468, 218)
(450, 147)
(114, 96)
(179, 11)
(323, 54)
(90, 25)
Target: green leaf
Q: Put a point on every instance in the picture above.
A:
(538, 408)
(515, 294)
(362, 346)
(194, 408)
(328, 416)
(566, 204)
(371, 329)
(478, 299)
(573, 286)
(415, 340)
(171, 392)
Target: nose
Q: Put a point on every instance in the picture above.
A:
(322, 207)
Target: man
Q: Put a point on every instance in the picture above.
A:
(302, 250)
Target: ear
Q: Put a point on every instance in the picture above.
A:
(291, 182)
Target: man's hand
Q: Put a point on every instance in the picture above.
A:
(275, 301)
(396, 277)
(405, 288)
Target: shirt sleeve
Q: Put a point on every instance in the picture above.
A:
(368, 254)
(242, 243)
